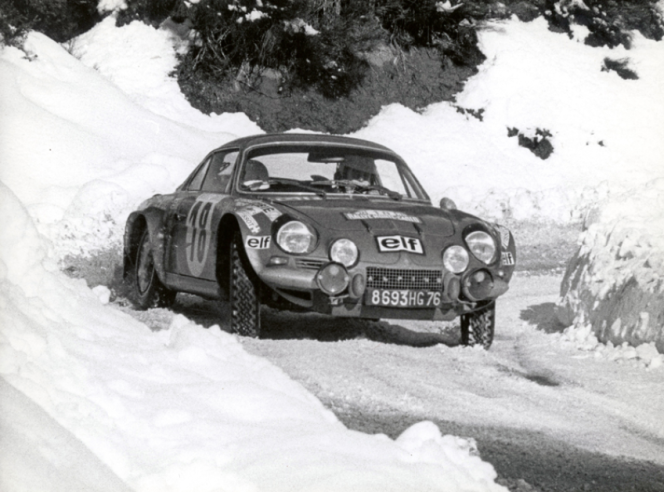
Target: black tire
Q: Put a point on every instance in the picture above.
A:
(245, 313)
(145, 289)
(477, 328)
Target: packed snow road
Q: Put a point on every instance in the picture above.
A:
(547, 415)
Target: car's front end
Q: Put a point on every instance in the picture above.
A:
(389, 264)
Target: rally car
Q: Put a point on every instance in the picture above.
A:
(319, 223)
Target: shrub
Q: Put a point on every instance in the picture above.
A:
(609, 21)
(151, 11)
(60, 20)
(306, 41)
(311, 43)
(620, 67)
(13, 25)
(427, 23)
(539, 144)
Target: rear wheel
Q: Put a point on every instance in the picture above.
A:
(145, 288)
(477, 328)
(245, 315)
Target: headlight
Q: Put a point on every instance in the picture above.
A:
(482, 246)
(296, 237)
(455, 259)
(344, 251)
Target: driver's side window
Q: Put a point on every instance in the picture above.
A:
(219, 173)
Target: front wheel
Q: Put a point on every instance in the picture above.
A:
(245, 314)
(145, 288)
(477, 328)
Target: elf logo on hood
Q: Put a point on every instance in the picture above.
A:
(390, 244)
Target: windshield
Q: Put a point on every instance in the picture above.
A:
(326, 170)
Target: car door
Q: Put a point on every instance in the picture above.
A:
(196, 214)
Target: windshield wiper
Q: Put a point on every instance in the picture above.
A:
(355, 185)
(295, 182)
(394, 195)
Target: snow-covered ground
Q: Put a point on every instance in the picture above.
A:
(93, 399)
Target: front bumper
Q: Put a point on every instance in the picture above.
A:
(459, 293)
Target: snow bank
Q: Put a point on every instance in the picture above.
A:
(177, 410)
(606, 131)
(614, 287)
(81, 150)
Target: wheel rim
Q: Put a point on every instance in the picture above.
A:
(144, 268)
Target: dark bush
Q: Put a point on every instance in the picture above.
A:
(13, 25)
(426, 23)
(609, 21)
(247, 37)
(540, 145)
(620, 67)
(60, 20)
(151, 12)
(310, 43)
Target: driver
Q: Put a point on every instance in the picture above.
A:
(358, 169)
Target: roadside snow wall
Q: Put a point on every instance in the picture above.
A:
(615, 282)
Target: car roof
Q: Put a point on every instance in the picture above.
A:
(306, 138)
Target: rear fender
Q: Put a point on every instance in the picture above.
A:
(137, 224)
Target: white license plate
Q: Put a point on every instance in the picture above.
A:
(402, 298)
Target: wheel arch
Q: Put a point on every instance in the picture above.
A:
(137, 224)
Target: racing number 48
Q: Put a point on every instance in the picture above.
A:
(199, 233)
(197, 223)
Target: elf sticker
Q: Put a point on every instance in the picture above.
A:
(391, 244)
(506, 258)
(257, 242)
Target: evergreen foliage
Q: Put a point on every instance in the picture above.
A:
(311, 43)
(60, 20)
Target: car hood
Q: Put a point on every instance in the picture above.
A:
(372, 215)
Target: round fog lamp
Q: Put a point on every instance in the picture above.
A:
(344, 251)
(332, 279)
(478, 286)
(455, 259)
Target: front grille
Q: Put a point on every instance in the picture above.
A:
(309, 263)
(392, 278)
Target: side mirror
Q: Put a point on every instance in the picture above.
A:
(447, 204)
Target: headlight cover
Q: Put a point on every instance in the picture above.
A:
(296, 237)
(344, 251)
(455, 259)
(482, 246)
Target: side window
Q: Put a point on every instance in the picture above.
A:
(219, 173)
(391, 177)
(195, 182)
